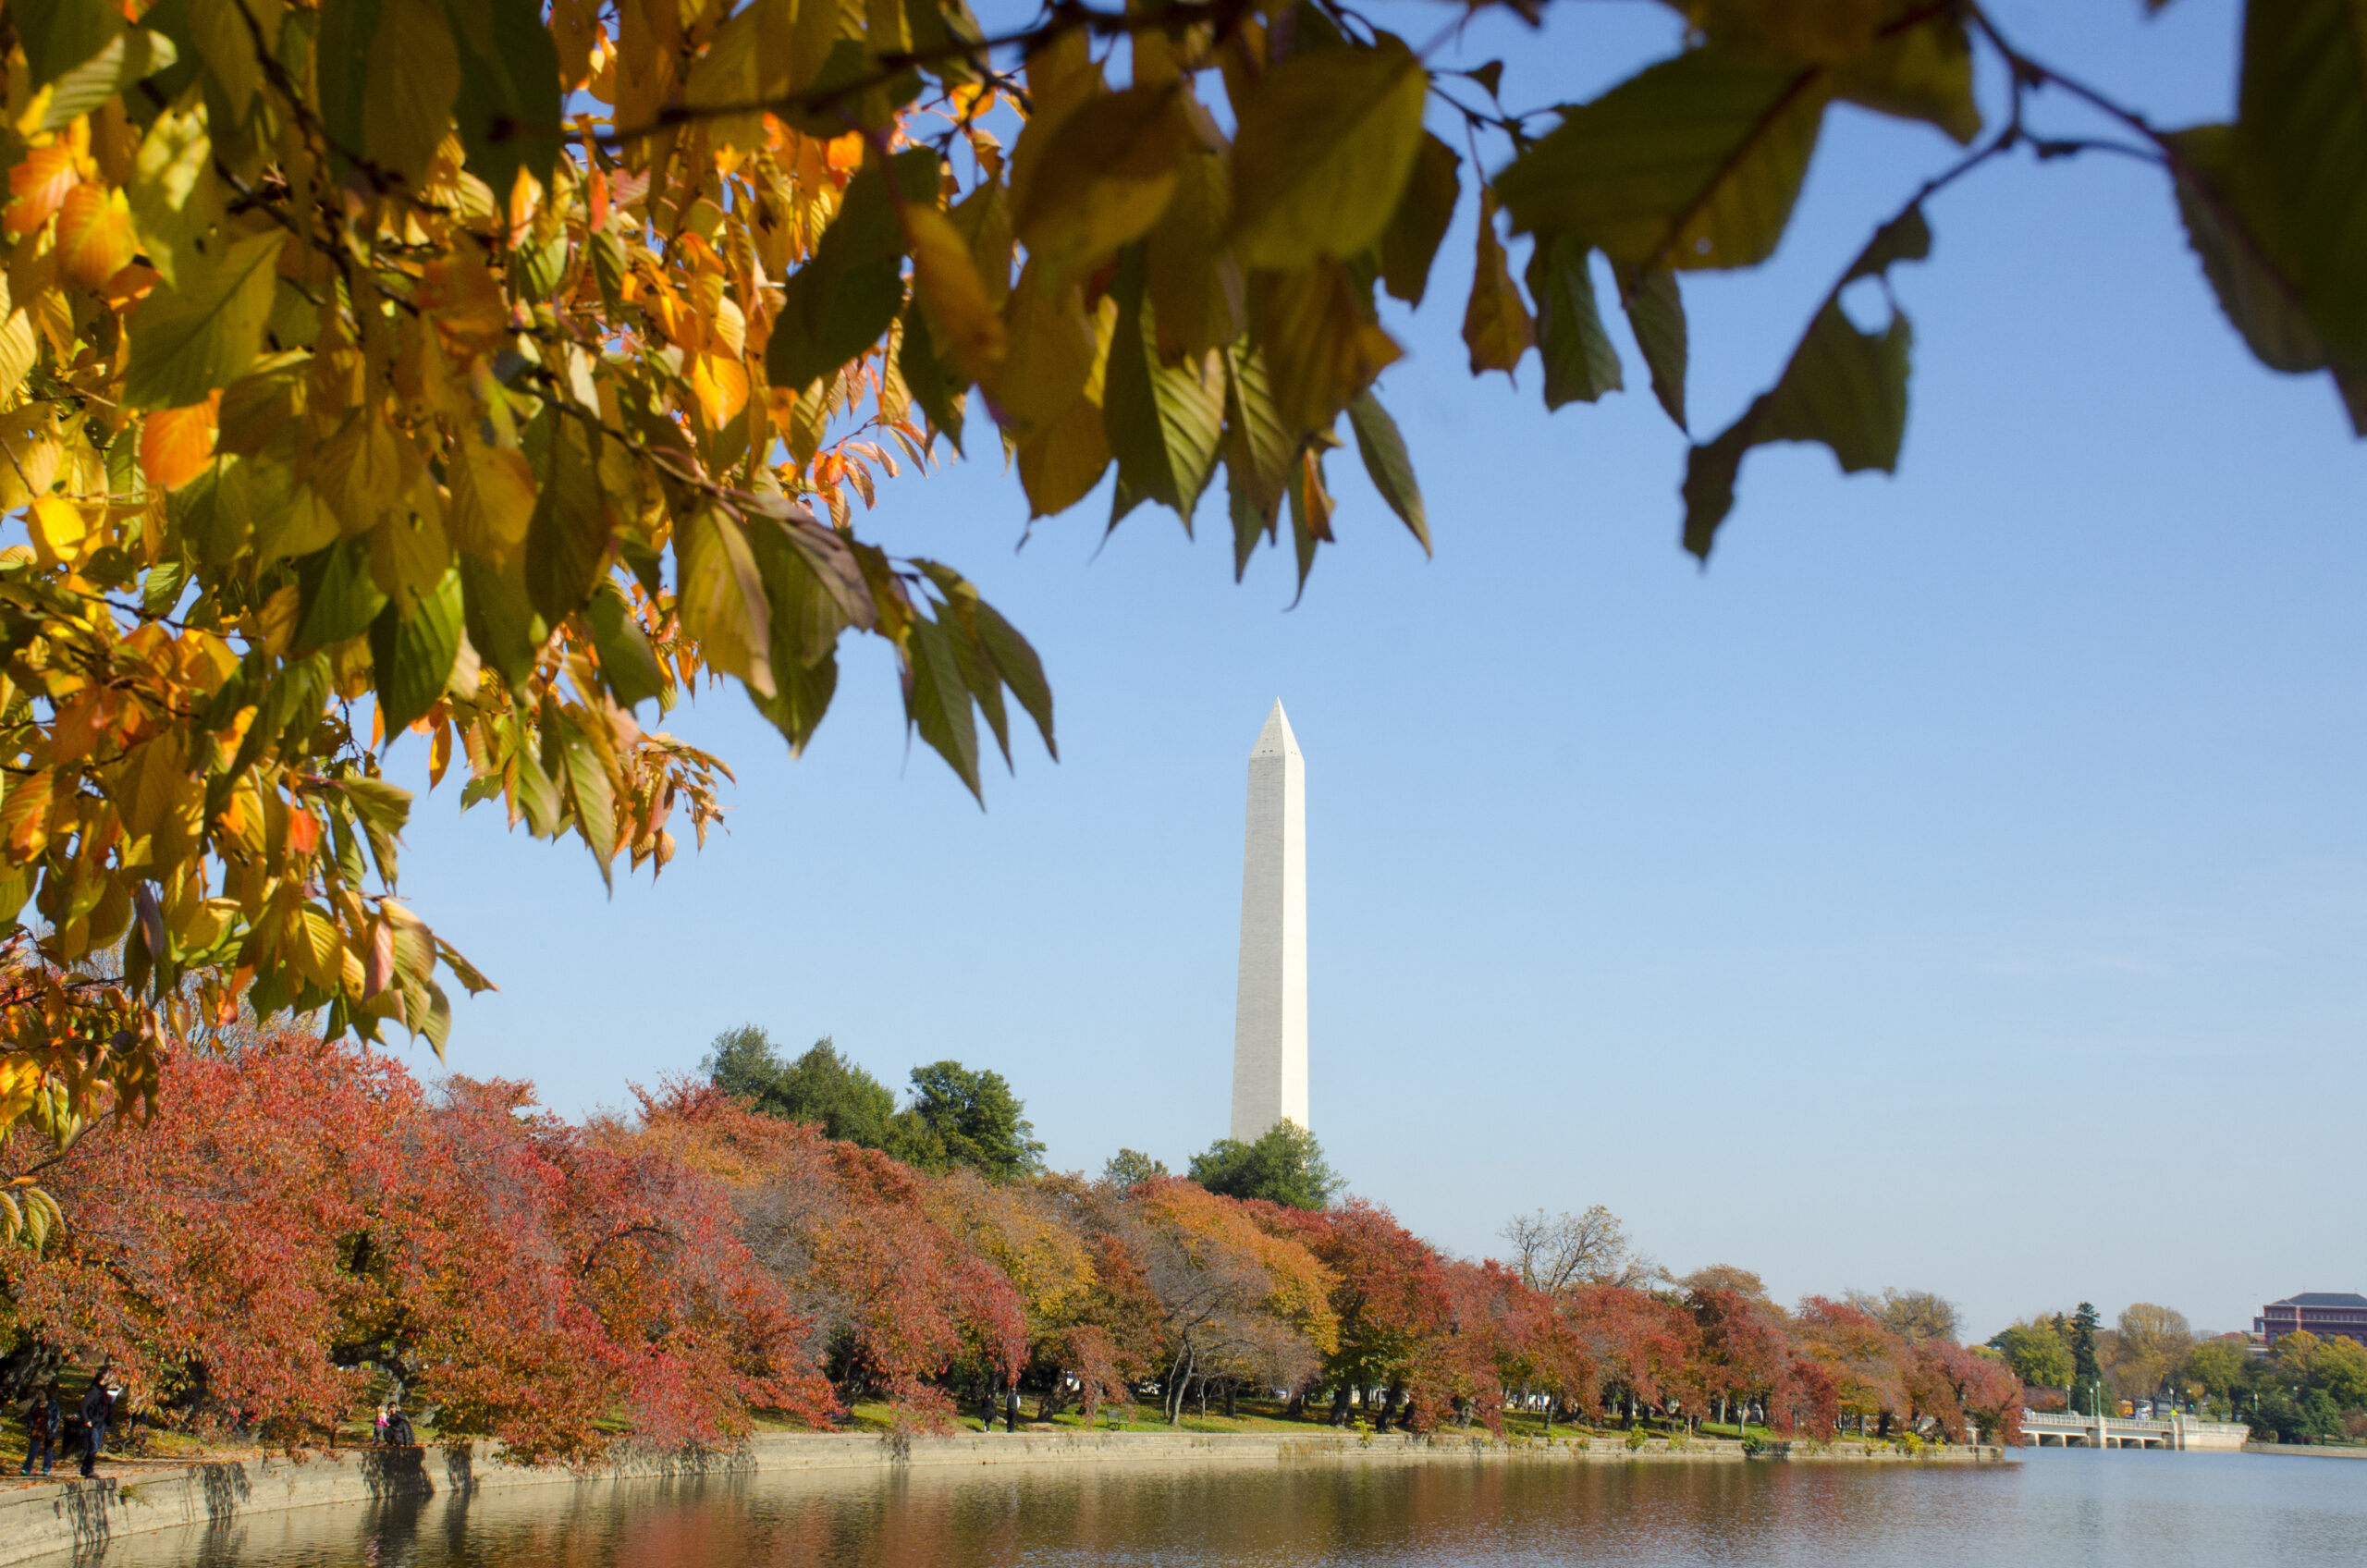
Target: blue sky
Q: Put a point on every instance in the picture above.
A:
(1961, 884)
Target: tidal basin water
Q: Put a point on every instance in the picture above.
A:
(2053, 1510)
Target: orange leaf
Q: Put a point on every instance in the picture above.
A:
(39, 182)
(177, 443)
(93, 235)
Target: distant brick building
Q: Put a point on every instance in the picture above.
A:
(2328, 1313)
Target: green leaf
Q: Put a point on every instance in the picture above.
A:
(1656, 315)
(843, 301)
(501, 621)
(59, 35)
(1258, 452)
(1326, 140)
(1580, 363)
(804, 619)
(1844, 387)
(566, 539)
(1693, 163)
(133, 54)
(509, 110)
(1016, 663)
(1194, 281)
(1163, 421)
(937, 704)
(342, 71)
(1103, 178)
(627, 661)
(1383, 450)
(1425, 210)
(2221, 206)
(413, 654)
(337, 595)
(929, 378)
(591, 793)
(188, 340)
(1924, 72)
(2301, 139)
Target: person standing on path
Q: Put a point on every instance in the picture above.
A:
(98, 1405)
(43, 1419)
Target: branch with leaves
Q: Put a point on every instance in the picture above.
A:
(502, 371)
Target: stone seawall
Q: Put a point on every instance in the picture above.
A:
(77, 1515)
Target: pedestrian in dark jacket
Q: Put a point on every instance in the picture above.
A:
(98, 1405)
(44, 1424)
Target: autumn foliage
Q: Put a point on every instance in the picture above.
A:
(304, 1228)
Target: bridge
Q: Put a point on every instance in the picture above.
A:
(2176, 1431)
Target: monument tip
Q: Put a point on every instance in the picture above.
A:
(1276, 737)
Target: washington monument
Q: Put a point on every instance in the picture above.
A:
(1269, 1018)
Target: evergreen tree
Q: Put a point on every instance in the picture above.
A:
(965, 1118)
(1285, 1166)
(821, 1086)
(1129, 1169)
(2087, 1373)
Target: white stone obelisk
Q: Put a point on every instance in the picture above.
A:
(1270, 1016)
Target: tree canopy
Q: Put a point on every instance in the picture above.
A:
(1285, 1165)
(501, 372)
(821, 1086)
(959, 1118)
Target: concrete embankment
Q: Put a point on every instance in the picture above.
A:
(78, 1515)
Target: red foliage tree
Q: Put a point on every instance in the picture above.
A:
(302, 1215)
(899, 1301)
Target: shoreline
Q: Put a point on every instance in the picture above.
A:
(79, 1516)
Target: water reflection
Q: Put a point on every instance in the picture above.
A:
(2053, 1511)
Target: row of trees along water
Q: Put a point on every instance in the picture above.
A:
(304, 1228)
(2304, 1390)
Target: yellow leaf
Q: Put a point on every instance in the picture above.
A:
(1059, 464)
(177, 443)
(38, 183)
(1326, 139)
(721, 599)
(1104, 176)
(24, 815)
(493, 499)
(721, 384)
(175, 201)
(1321, 344)
(362, 471)
(59, 528)
(1496, 325)
(29, 454)
(962, 319)
(93, 235)
(1050, 355)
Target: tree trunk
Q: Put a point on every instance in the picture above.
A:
(1231, 1385)
(1340, 1406)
